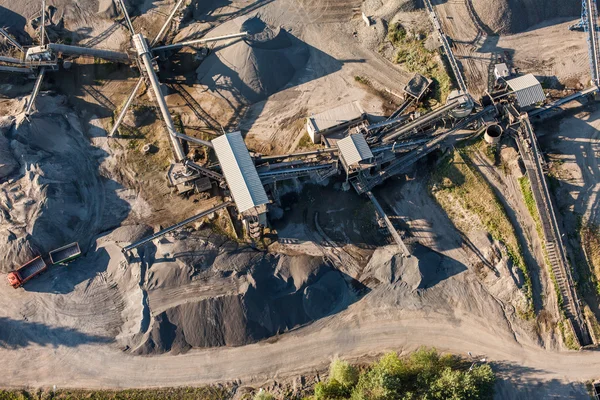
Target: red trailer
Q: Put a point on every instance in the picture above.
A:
(26, 272)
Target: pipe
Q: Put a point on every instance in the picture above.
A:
(11, 40)
(176, 226)
(399, 145)
(43, 30)
(22, 70)
(86, 51)
(144, 53)
(11, 60)
(389, 224)
(126, 106)
(593, 39)
(36, 90)
(197, 41)
(193, 140)
(126, 14)
(204, 171)
(564, 100)
(293, 170)
(166, 24)
(447, 49)
(302, 154)
(387, 122)
(424, 119)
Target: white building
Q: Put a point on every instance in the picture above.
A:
(354, 153)
(242, 178)
(333, 120)
(501, 71)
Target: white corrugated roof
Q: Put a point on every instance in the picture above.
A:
(527, 89)
(354, 149)
(336, 116)
(239, 171)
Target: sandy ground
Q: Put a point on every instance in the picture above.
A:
(549, 50)
(532, 372)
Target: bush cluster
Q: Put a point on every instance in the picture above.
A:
(425, 374)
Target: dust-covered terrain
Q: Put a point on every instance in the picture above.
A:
(202, 305)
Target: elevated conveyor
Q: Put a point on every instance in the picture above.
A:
(428, 118)
(181, 224)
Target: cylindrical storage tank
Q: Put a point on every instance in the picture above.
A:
(493, 133)
(465, 109)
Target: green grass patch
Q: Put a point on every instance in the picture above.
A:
(594, 324)
(305, 142)
(527, 192)
(568, 336)
(457, 182)
(425, 374)
(412, 54)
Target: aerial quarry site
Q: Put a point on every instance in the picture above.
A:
(299, 199)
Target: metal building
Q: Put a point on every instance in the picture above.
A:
(527, 89)
(240, 173)
(501, 71)
(355, 153)
(329, 121)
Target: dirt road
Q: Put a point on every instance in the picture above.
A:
(91, 366)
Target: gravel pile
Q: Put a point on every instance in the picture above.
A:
(256, 67)
(513, 16)
(250, 295)
(55, 194)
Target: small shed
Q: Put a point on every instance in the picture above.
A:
(240, 173)
(354, 153)
(528, 90)
(332, 120)
(501, 71)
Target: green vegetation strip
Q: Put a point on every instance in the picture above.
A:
(567, 334)
(590, 241)
(425, 374)
(457, 180)
(203, 393)
(412, 54)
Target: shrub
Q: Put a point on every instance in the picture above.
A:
(343, 372)
(263, 395)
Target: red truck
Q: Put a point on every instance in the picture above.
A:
(36, 266)
(28, 271)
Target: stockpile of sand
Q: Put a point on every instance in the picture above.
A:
(513, 16)
(423, 269)
(255, 67)
(219, 294)
(8, 164)
(55, 194)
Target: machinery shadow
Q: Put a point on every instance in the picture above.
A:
(16, 334)
(345, 217)
(15, 25)
(216, 12)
